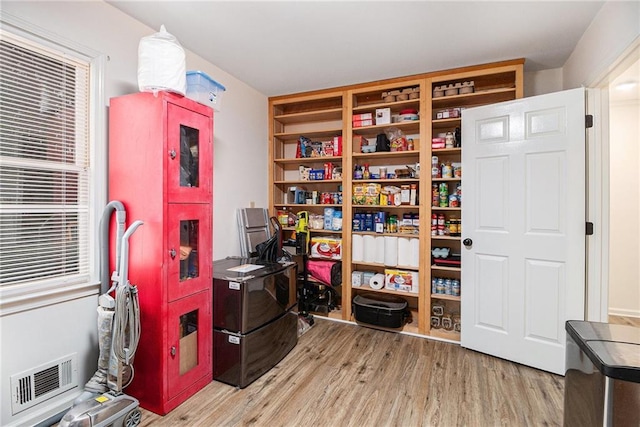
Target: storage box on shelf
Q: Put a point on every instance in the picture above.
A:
(205, 90)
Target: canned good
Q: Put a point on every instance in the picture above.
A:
(440, 286)
(453, 201)
(447, 286)
(453, 227)
(455, 287)
(447, 170)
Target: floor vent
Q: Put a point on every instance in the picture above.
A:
(36, 385)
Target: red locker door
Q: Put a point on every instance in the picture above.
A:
(189, 249)
(190, 158)
(189, 333)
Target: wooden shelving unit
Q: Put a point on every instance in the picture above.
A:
(322, 115)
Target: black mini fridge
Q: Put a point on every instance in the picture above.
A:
(254, 323)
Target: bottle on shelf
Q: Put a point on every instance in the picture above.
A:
(357, 172)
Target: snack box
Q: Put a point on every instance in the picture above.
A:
(366, 194)
(326, 247)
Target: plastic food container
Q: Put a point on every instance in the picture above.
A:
(205, 90)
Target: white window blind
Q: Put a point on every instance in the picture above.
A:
(44, 164)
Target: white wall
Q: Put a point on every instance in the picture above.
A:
(624, 270)
(612, 31)
(542, 82)
(34, 337)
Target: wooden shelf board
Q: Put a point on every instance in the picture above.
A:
(310, 116)
(389, 156)
(314, 231)
(386, 181)
(443, 296)
(444, 123)
(393, 105)
(300, 205)
(377, 264)
(454, 99)
(438, 267)
(446, 179)
(457, 150)
(408, 126)
(366, 288)
(445, 237)
(373, 233)
(321, 134)
(385, 207)
(438, 208)
(297, 160)
(312, 182)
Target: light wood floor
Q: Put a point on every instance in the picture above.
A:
(345, 375)
(623, 320)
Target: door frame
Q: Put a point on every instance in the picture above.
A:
(598, 170)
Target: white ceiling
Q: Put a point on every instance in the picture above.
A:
(281, 47)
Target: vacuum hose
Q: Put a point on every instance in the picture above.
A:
(126, 320)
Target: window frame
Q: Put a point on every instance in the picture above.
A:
(27, 296)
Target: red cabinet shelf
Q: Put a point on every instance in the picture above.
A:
(160, 168)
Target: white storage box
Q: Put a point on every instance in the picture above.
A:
(205, 90)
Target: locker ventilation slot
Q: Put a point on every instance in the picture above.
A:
(36, 385)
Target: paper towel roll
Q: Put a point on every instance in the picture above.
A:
(415, 253)
(369, 249)
(379, 249)
(390, 251)
(377, 281)
(404, 251)
(357, 248)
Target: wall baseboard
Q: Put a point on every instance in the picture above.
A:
(623, 312)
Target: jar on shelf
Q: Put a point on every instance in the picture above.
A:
(447, 170)
(449, 140)
(436, 172)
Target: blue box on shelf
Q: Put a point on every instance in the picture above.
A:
(205, 90)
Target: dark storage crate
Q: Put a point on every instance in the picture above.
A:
(386, 311)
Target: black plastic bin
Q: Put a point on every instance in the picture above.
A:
(380, 310)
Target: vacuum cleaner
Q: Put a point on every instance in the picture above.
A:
(103, 403)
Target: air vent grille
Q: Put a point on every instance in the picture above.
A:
(36, 385)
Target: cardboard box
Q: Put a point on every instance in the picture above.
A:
(362, 123)
(366, 194)
(358, 143)
(326, 247)
(401, 280)
(363, 116)
(188, 352)
(383, 116)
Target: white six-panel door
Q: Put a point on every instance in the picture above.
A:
(523, 209)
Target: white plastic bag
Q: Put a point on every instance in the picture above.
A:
(161, 64)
